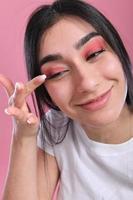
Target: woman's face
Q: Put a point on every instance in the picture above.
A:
(85, 78)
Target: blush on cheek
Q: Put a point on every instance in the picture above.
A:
(53, 90)
(112, 67)
(58, 95)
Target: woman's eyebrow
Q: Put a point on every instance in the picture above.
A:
(50, 58)
(78, 45)
(85, 39)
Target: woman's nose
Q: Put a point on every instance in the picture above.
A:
(86, 78)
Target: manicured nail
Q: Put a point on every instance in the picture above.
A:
(17, 85)
(43, 77)
(7, 112)
(30, 120)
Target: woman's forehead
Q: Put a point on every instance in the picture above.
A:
(66, 32)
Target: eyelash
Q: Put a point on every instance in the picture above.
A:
(94, 54)
(57, 75)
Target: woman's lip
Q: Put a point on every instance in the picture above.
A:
(97, 103)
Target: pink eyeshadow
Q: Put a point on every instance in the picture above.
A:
(94, 45)
(52, 70)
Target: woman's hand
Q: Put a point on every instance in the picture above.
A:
(25, 123)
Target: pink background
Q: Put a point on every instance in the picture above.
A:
(13, 15)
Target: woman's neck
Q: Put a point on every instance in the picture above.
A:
(114, 133)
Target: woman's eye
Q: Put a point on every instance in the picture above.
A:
(94, 54)
(57, 75)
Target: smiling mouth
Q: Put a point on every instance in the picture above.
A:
(97, 103)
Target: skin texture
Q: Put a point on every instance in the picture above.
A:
(83, 79)
(24, 153)
(84, 73)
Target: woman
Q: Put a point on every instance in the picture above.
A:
(87, 134)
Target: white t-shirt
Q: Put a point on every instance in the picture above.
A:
(91, 170)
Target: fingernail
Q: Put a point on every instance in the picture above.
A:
(7, 111)
(17, 85)
(43, 77)
(30, 120)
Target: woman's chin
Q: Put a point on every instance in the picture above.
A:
(101, 120)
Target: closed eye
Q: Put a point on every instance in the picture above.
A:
(57, 75)
(94, 54)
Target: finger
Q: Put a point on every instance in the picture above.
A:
(15, 112)
(32, 119)
(20, 116)
(33, 84)
(7, 84)
(18, 97)
(22, 91)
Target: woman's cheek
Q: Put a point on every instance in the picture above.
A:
(112, 68)
(56, 92)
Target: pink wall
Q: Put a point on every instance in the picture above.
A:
(13, 15)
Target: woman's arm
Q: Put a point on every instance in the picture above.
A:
(21, 183)
(32, 174)
(47, 170)
(26, 178)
